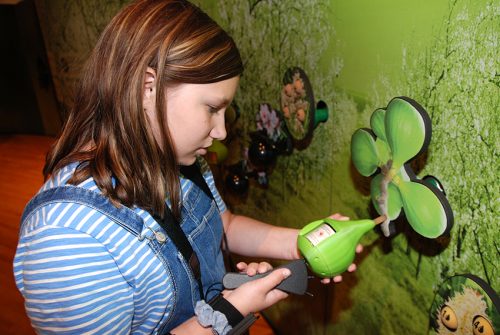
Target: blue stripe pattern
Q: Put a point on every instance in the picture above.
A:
(81, 273)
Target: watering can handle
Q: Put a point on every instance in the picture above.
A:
(296, 283)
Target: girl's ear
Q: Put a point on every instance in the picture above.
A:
(149, 91)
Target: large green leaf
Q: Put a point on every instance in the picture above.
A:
(364, 152)
(405, 128)
(423, 209)
(383, 151)
(393, 200)
(377, 122)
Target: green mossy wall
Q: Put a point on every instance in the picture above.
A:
(358, 55)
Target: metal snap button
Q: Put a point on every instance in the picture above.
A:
(160, 237)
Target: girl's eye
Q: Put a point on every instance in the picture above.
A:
(213, 109)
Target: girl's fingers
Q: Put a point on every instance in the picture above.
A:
(253, 268)
(337, 279)
(264, 267)
(340, 217)
(241, 266)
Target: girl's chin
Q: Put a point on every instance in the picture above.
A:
(187, 160)
(190, 158)
(201, 152)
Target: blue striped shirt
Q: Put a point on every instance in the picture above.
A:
(81, 273)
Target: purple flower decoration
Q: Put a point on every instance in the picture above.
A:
(268, 120)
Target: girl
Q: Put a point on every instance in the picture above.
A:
(125, 235)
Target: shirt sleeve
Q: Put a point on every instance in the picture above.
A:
(71, 284)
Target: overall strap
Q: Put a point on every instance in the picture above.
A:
(88, 198)
(173, 228)
(193, 173)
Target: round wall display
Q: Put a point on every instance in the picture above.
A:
(465, 304)
(297, 106)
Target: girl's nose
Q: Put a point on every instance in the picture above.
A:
(218, 131)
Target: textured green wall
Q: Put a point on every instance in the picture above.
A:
(358, 55)
(369, 36)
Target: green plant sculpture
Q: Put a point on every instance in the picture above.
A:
(399, 133)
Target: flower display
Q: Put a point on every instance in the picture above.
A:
(269, 121)
(398, 134)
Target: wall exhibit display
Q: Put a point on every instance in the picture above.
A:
(400, 133)
(278, 132)
(465, 304)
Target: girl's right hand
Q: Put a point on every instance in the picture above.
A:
(259, 294)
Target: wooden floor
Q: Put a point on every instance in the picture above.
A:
(21, 162)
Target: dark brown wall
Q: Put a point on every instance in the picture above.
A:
(27, 101)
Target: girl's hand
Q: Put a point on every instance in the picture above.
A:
(259, 294)
(352, 267)
(253, 268)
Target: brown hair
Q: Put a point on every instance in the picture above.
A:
(107, 130)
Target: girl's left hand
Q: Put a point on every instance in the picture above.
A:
(251, 269)
(352, 267)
